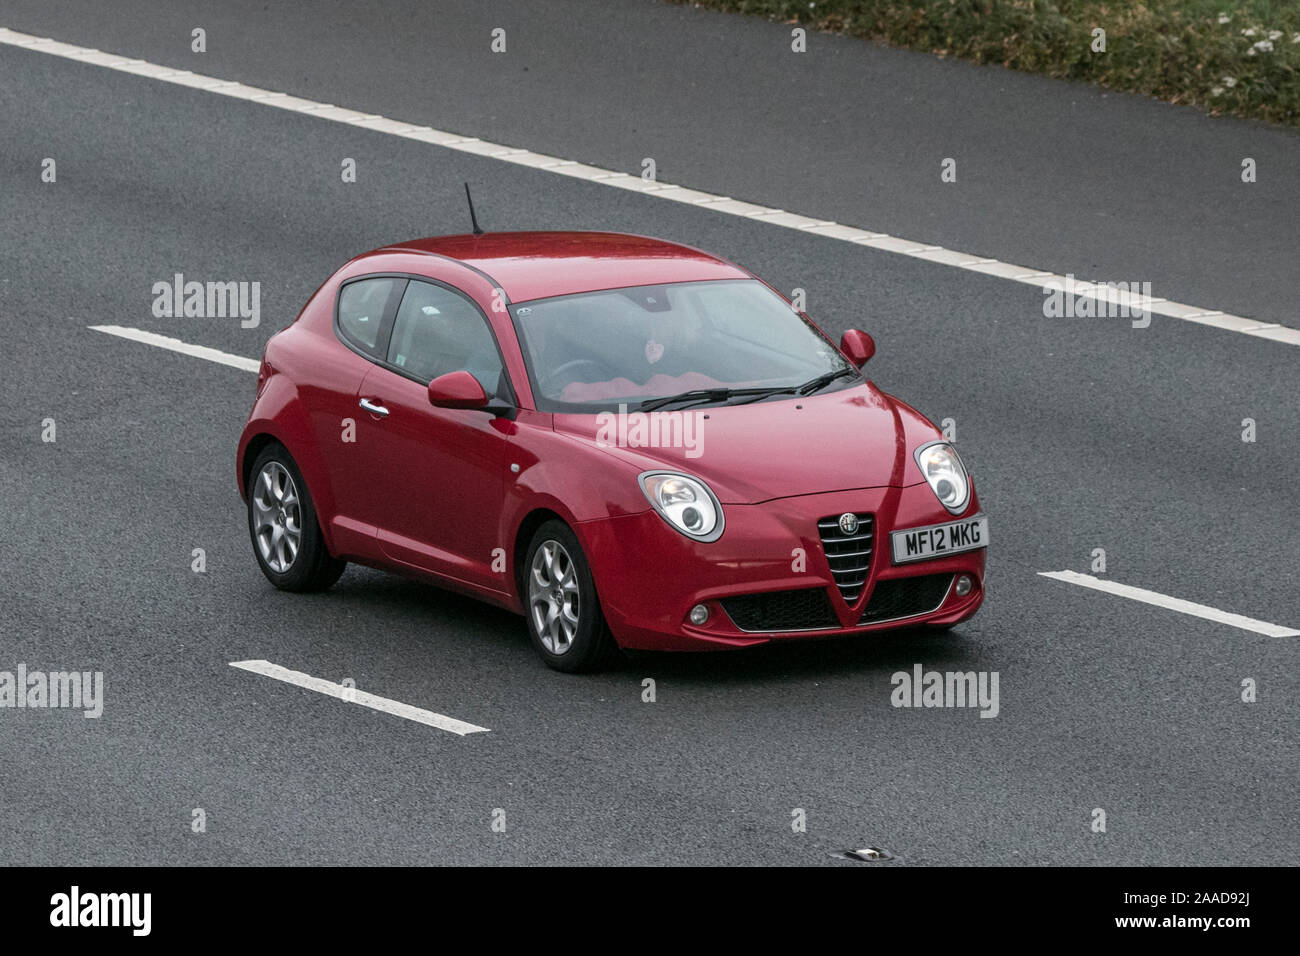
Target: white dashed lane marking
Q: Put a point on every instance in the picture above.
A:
(1099, 293)
(1172, 603)
(353, 696)
(176, 345)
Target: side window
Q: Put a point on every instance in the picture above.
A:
(438, 331)
(362, 306)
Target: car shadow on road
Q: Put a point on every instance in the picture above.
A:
(399, 601)
(413, 608)
(867, 654)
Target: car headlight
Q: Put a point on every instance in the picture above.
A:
(684, 502)
(946, 474)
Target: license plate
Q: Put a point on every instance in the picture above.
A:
(917, 544)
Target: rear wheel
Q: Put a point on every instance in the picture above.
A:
(565, 622)
(287, 539)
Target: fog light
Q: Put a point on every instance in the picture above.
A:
(964, 584)
(699, 614)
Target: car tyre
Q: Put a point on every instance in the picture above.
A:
(564, 617)
(282, 525)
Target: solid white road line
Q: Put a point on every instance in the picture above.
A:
(1173, 604)
(609, 177)
(176, 345)
(354, 696)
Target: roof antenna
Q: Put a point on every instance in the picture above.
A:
(472, 217)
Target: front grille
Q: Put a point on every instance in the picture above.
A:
(804, 610)
(905, 597)
(849, 555)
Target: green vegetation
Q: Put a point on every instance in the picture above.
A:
(1239, 57)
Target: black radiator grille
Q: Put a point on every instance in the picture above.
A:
(905, 597)
(849, 555)
(804, 610)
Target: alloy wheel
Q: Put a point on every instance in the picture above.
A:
(553, 597)
(277, 517)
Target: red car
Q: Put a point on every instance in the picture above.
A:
(630, 442)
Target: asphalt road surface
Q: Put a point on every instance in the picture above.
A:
(1082, 434)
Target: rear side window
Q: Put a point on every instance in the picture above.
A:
(437, 331)
(362, 306)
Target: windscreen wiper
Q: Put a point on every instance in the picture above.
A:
(821, 381)
(698, 395)
(807, 388)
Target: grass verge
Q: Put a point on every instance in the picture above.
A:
(1226, 56)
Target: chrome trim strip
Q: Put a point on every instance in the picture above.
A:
(952, 581)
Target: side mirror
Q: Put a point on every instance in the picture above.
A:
(457, 390)
(858, 346)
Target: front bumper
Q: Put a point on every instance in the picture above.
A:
(649, 576)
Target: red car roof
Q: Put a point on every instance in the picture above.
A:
(536, 265)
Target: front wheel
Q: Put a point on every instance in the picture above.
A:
(287, 539)
(565, 622)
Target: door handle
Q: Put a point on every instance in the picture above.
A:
(374, 409)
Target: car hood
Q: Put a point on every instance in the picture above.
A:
(858, 437)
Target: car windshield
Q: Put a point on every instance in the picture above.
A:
(643, 344)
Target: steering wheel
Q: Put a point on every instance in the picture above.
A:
(569, 366)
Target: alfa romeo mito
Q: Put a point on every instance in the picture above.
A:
(628, 441)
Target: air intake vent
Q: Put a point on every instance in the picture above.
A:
(848, 553)
(804, 610)
(906, 597)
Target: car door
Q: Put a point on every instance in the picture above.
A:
(437, 474)
(362, 308)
